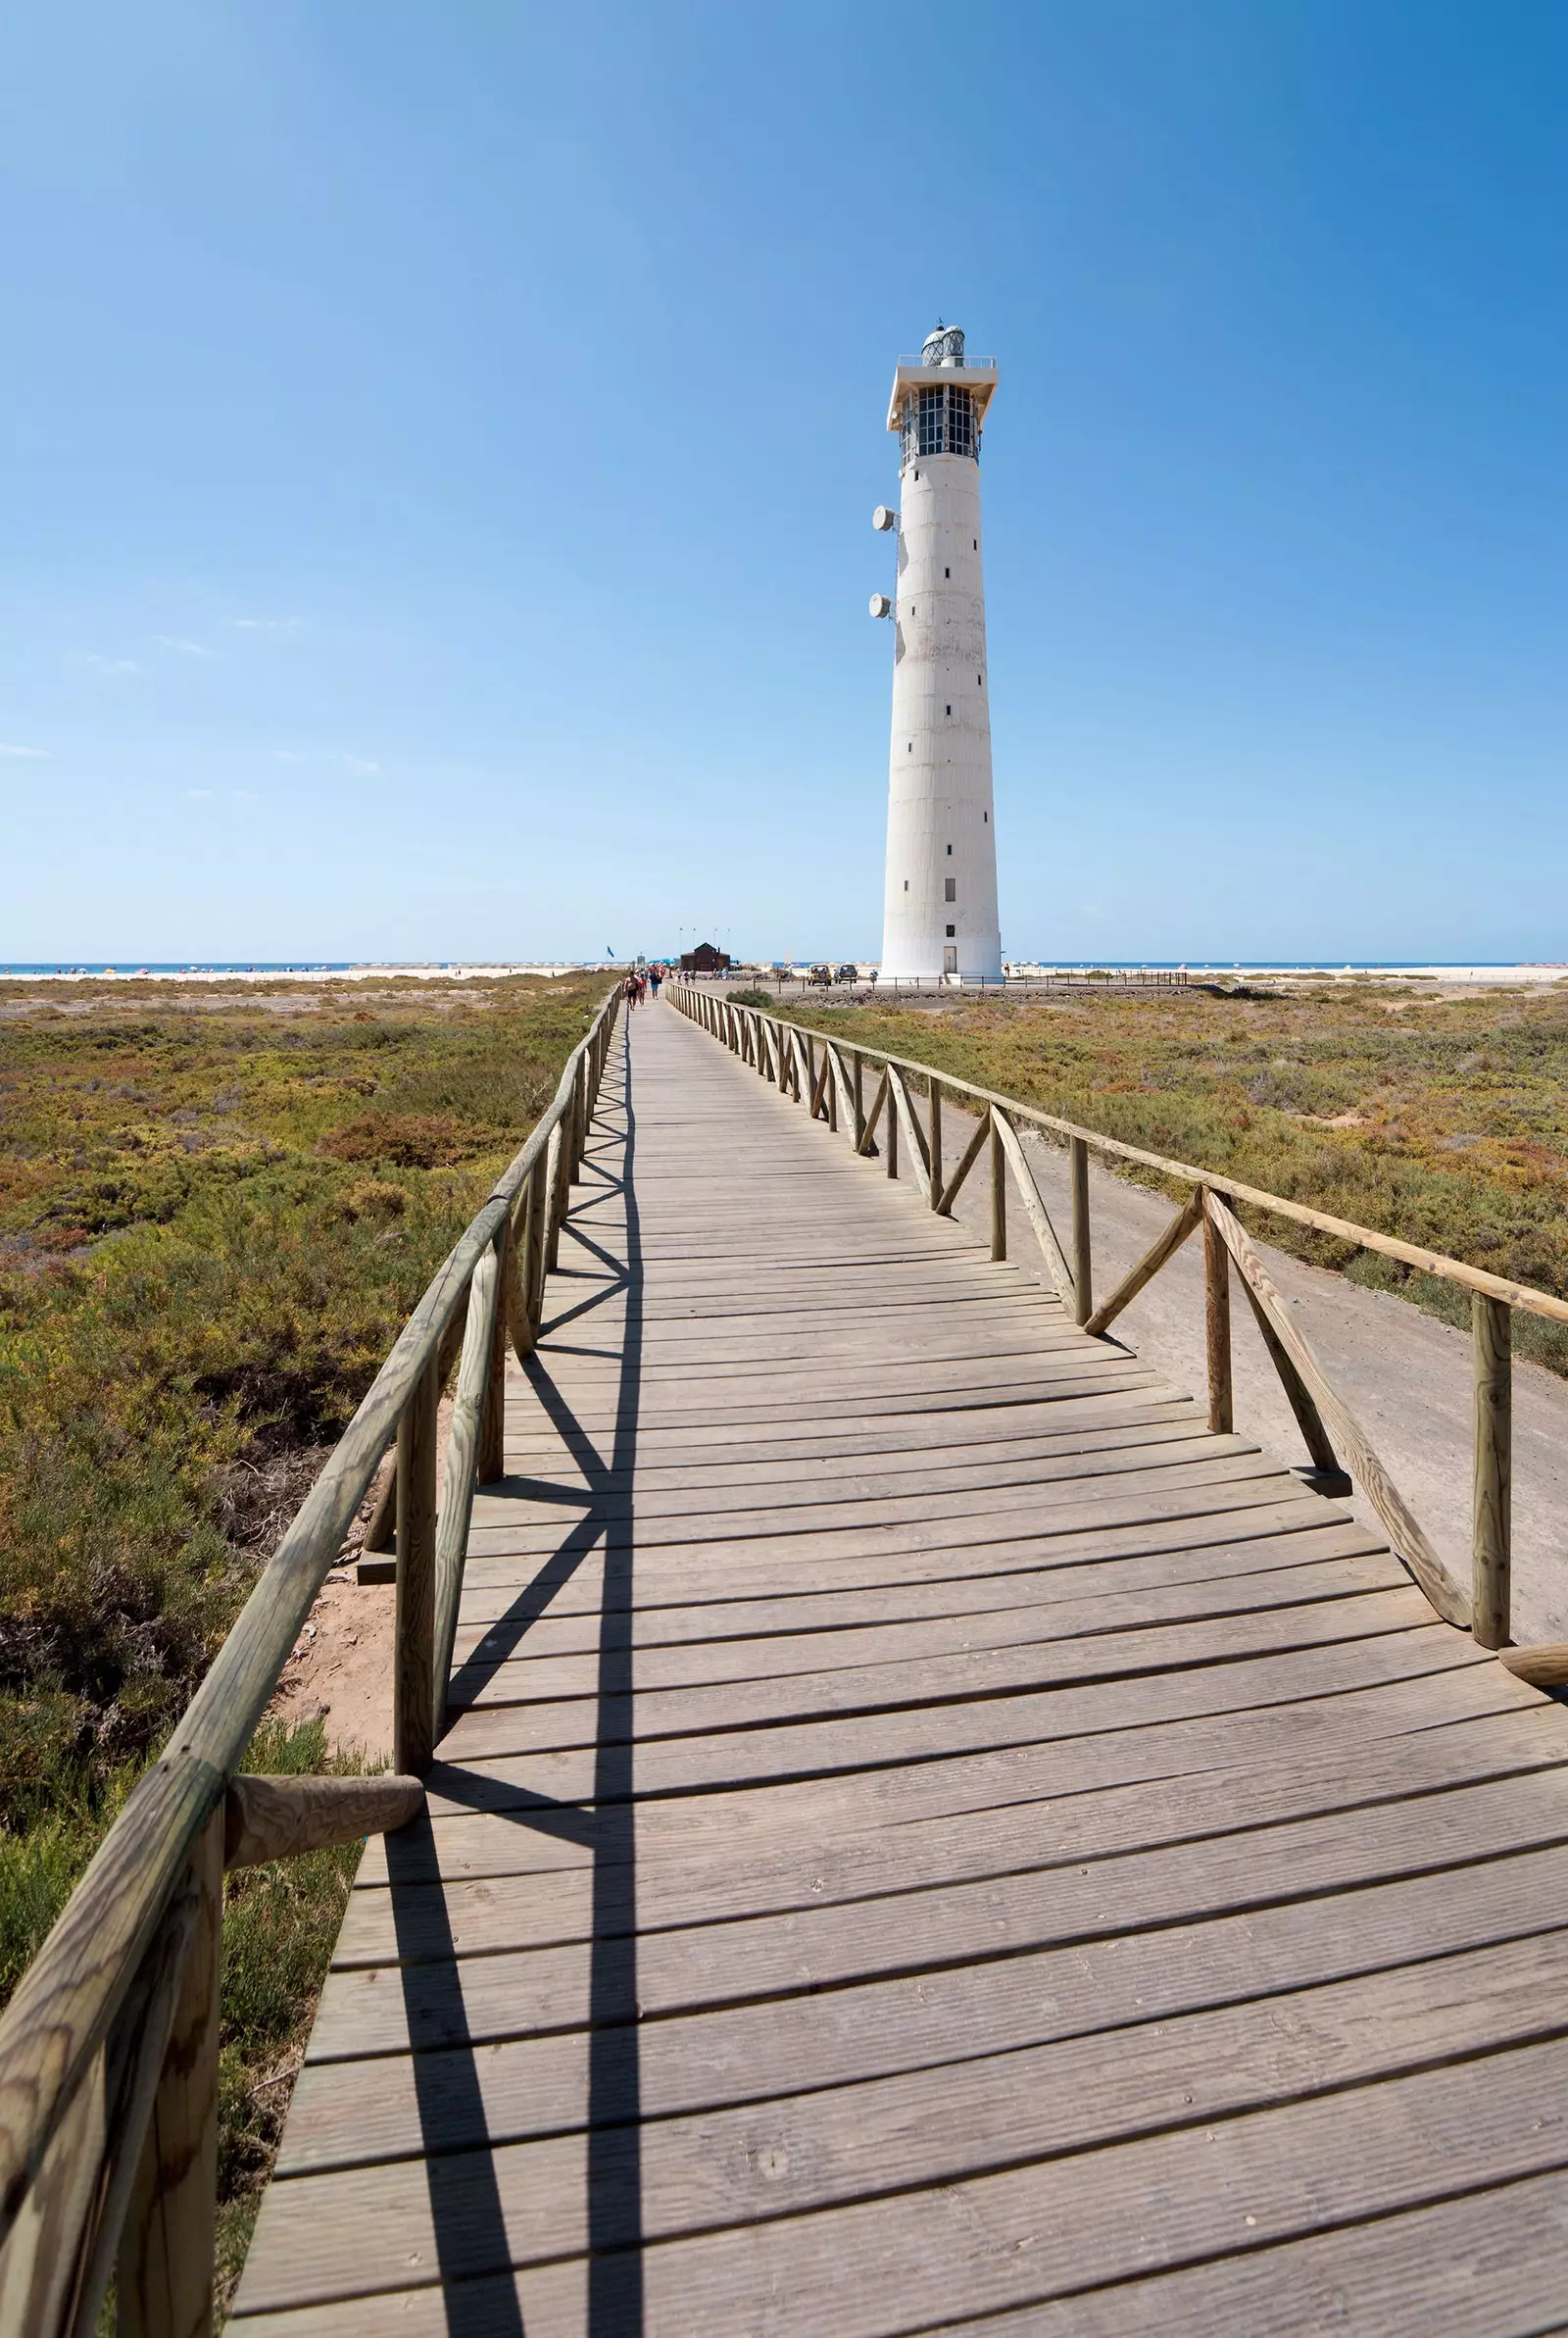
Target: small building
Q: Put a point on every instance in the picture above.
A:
(705, 960)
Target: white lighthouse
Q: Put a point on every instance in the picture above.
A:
(940, 913)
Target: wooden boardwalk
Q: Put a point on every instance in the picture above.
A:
(928, 1836)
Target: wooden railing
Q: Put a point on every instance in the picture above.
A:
(831, 1077)
(109, 2047)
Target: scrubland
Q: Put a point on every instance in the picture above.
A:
(215, 1214)
(1440, 1119)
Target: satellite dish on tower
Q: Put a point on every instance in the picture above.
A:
(882, 519)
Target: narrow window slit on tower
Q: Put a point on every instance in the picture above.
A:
(947, 571)
(949, 852)
(949, 710)
(950, 888)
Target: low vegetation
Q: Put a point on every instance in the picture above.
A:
(1444, 1119)
(215, 1214)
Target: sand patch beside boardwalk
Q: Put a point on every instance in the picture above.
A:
(342, 1665)
(341, 1670)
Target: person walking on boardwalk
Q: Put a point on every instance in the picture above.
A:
(656, 976)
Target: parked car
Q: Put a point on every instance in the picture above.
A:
(823, 974)
(848, 974)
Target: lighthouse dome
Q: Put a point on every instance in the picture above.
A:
(944, 347)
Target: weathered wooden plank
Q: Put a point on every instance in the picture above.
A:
(683, 1579)
(1123, 1494)
(1109, 1509)
(960, 1924)
(848, 2144)
(868, 1431)
(1484, 2265)
(574, 1616)
(896, 1681)
(771, 1845)
(1187, 1834)
(684, 1514)
(549, 1672)
(826, 1742)
(666, 1484)
(891, 1784)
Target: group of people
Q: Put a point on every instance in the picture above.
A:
(638, 987)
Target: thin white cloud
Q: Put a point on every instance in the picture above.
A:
(30, 754)
(198, 795)
(359, 767)
(111, 664)
(186, 649)
(242, 795)
(266, 625)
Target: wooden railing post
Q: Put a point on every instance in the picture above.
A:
(860, 1099)
(1217, 1328)
(934, 1141)
(559, 1182)
(459, 1476)
(577, 1118)
(1083, 1302)
(412, 1732)
(533, 1257)
(1491, 1339)
(164, 2272)
(999, 1193)
(891, 1129)
(491, 1464)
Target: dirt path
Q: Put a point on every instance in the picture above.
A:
(1404, 1375)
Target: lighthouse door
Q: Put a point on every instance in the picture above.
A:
(950, 961)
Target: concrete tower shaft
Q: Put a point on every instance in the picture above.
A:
(940, 907)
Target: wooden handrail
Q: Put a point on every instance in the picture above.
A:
(1320, 1412)
(54, 2032)
(1431, 1261)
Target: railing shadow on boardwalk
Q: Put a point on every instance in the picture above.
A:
(465, 2203)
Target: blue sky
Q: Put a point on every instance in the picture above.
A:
(437, 448)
